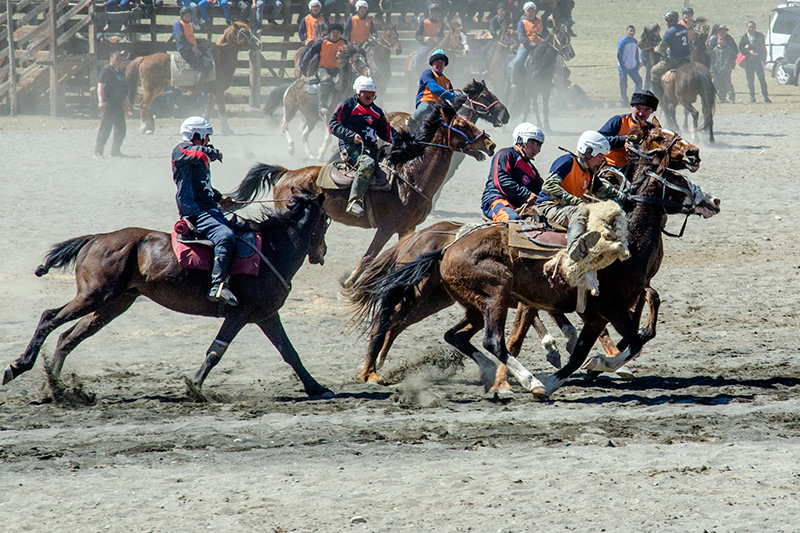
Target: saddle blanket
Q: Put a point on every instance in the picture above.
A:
(535, 241)
(198, 255)
(338, 176)
(183, 75)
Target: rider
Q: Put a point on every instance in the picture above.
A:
(530, 30)
(307, 28)
(513, 180)
(676, 40)
(687, 20)
(621, 129)
(501, 21)
(199, 203)
(571, 176)
(357, 122)
(359, 28)
(433, 84)
(429, 32)
(327, 49)
(186, 43)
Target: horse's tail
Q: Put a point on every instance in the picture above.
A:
(259, 179)
(379, 299)
(275, 99)
(708, 94)
(63, 254)
(132, 78)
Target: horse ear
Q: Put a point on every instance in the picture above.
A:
(655, 121)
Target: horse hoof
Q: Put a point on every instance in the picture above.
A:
(501, 393)
(148, 132)
(8, 374)
(540, 392)
(592, 375)
(326, 394)
(625, 373)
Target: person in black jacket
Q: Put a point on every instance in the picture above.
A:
(358, 123)
(113, 103)
(753, 47)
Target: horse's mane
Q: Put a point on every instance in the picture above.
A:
(349, 51)
(474, 88)
(278, 219)
(406, 146)
(543, 53)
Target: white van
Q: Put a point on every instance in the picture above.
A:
(784, 19)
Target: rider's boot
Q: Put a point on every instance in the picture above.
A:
(219, 291)
(579, 241)
(355, 205)
(324, 106)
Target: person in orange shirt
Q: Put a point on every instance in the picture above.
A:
(429, 33)
(530, 32)
(618, 128)
(687, 20)
(327, 49)
(308, 24)
(359, 28)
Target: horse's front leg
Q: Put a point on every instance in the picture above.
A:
(273, 329)
(382, 236)
(325, 144)
(309, 125)
(219, 98)
(653, 300)
(624, 323)
(232, 325)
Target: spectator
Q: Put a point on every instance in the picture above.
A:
(113, 103)
(203, 6)
(501, 21)
(754, 49)
(722, 50)
(248, 8)
(628, 64)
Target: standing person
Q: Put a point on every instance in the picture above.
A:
(433, 84)
(186, 43)
(753, 47)
(199, 203)
(327, 49)
(358, 123)
(513, 180)
(359, 27)
(429, 32)
(572, 176)
(674, 49)
(722, 50)
(618, 128)
(530, 31)
(113, 103)
(307, 28)
(628, 63)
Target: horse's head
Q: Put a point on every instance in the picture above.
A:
(461, 135)
(453, 44)
(674, 192)
(309, 206)
(650, 37)
(354, 59)
(391, 39)
(560, 40)
(682, 154)
(482, 102)
(241, 35)
(318, 247)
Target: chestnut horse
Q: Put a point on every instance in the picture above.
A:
(486, 276)
(154, 72)
(113, 269)
(379, 53)
(421, 165)
(683, 86)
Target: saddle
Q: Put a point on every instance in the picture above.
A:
(337, 176)
(535, 240)
(195, 252)
(670, 74)
(183, 75)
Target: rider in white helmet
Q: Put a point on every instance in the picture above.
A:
(358, 123)
(359, 28)
(307, 28)
(513, 180)
(530, 32)
(199, 203)
(572, 176)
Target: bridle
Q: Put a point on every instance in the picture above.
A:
(484, 110)
(384, 42)
(450, 130)
(248, 35)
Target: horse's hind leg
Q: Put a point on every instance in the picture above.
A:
(289, 111)
(230, 328)
(459, 337)
(309, 125)
(86, 327)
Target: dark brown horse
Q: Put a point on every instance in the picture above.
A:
(353, 63)
(683, 86)
(379, 53)
(648, 40)
(421, 165)
(154, 72)
(483, 274)
(113, 269)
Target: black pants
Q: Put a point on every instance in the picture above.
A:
(113, 118)
(755, 67)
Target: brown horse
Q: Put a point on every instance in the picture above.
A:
(482, 273)
(379, 52)
(113, 269)
(421, 165)
(504, 49)
(683, 86)
(453, 47)
(154, 72)
(648, 40)
(353, 63)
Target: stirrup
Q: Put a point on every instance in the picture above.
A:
(221, 293)
(356, 207)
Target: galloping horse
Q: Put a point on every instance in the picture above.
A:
(504, 49)
(482, 273)
(154, 72)
(421, 165)
(683, 86)
(353, 63)
(453, 47)
(539, 75)
(379, 52)
(113, 269)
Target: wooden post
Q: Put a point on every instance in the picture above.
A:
(53, 54)
(12, 59)
(92, 49)
(255, 78)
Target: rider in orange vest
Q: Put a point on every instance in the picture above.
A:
(621, 129)
(429, 32)
(687, 20)
(186, 43)
(308, 25)
(327, 49)
(529, 33)
(359, 28)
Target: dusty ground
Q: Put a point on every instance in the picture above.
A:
(705, 438)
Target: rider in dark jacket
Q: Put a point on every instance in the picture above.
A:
(199, 202)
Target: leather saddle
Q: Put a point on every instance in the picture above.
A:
(339, 176)
(535, 240)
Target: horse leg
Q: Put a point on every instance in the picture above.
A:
(88, 326)
(309, 125)
(148, 123)
(219, 98)
(325, 144)
(567, 329)
(382, 236)
(289, 111)
(229, 329)
(459, 337)
(273, 329)
(653, 300)
(624, 323)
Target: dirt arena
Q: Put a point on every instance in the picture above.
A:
(705, 438)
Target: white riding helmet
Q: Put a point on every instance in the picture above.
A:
(360, 4)
(525, 131)
(364, 83)
(528, 5)
(194, 125)
(594, 140)
(313, 3)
